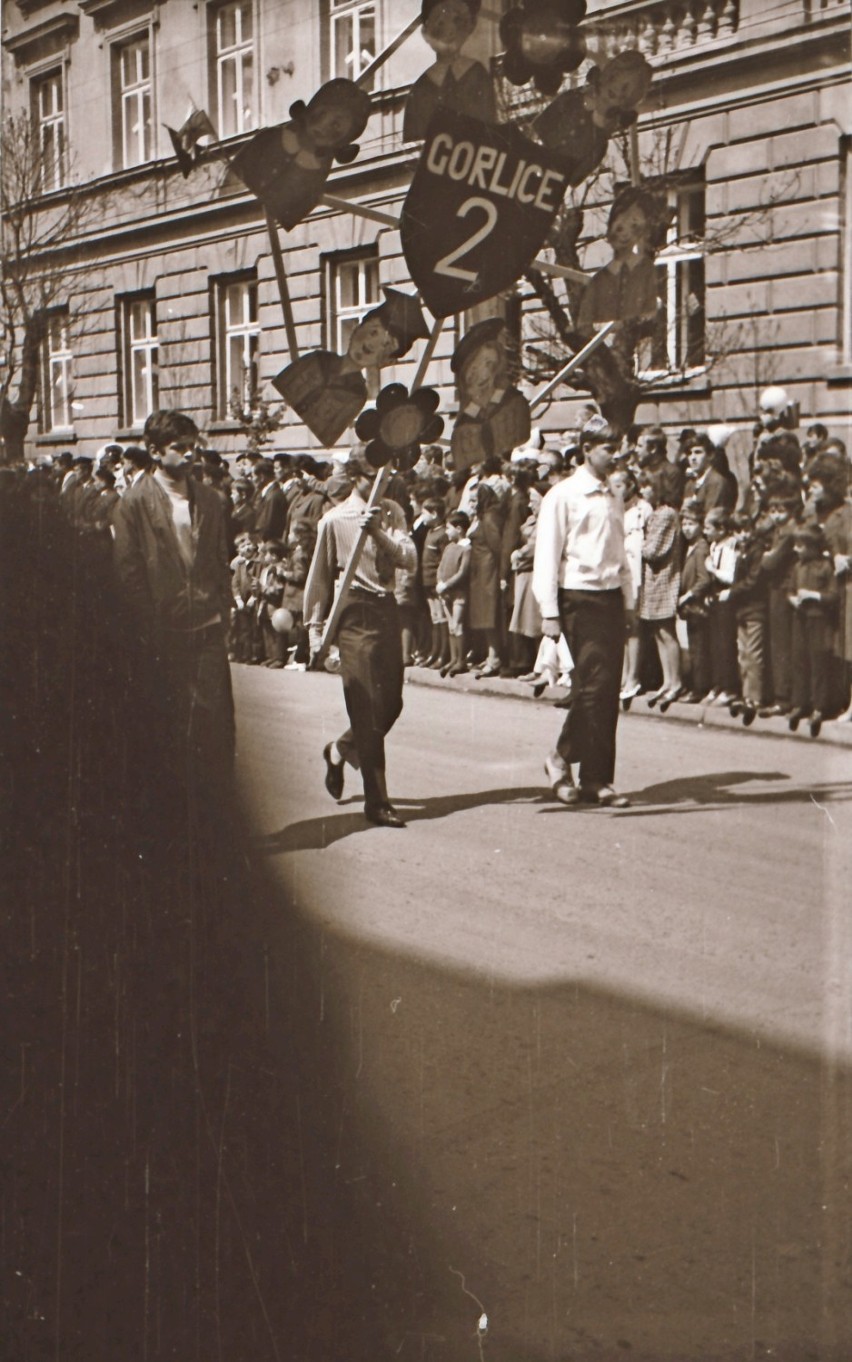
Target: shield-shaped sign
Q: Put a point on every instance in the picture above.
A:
(479, 208)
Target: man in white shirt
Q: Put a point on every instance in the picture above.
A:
(584, 588)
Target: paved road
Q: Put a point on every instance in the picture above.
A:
(591, 1065)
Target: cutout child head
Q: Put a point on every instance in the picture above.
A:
(447, 24)
(387, 332)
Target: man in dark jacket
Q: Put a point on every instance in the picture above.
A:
(172, 565)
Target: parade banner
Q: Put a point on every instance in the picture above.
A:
(480, 206)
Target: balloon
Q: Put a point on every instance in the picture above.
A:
(282, 620)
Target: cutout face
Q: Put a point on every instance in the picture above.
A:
(448, 27)
(484, 372)
(371, 345)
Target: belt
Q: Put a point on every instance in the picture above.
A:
(366, 594)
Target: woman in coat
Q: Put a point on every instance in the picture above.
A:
(660, 589)
(484, 596)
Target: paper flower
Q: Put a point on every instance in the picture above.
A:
(542, 42)
(395, 428)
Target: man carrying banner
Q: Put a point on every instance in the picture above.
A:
(584, 588)
(368, 635)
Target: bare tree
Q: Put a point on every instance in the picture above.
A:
(619, 374)
(37, 237)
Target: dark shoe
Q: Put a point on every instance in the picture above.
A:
(669, 698)
(815, 724)
(735, 707)
(691, 697)
(560, 781)
(604, 796)
(333, 774)
(749, 713)
(654, 697)
(384, 816)
(275, 665)
(564, 701)
(447, 668)
(458, 669)
(490, 669)
(794, 719)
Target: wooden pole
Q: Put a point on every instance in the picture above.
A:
(574, 363)
(378, 61)
(561, 271)
(345, 581)
(360, 210)
(283, 287)
(426, 357)
(635, 168)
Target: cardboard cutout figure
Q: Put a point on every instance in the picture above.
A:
(287, 166)
(479, 208)
(542, 42)
(185, 140)
(626, 288)
(494, 417)
(398, 424)
(328, 390)
(453, 82)
(578, 124)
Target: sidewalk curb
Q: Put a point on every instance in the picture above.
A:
(706, 716)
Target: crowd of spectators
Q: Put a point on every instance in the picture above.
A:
(742, 587)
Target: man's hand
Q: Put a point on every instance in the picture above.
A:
(725, 595)
(551, 628)
(370, 521)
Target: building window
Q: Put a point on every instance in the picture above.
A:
(140, 354)
(352, 288)
(56, 374)
(238, 344)
(133, 97)
(232, 34)
(678, 341)
(353, 38)
(49, 115)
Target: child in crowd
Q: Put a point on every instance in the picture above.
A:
(637, 512)
(748, 594)
(777, 568)
(813, 598)
(451, 588)
(658, 595)
(294, 570)
(244, 641)
(434, 542)
(722, 625)
(692, 605)
(270, 590)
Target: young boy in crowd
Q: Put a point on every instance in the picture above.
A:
(813, 598)
(434, 542)
(243, 640)
(695, 582)
(722, 626)
(300, 549)
(451, 588)
(270, 590)
(748, 595)
(784, 502)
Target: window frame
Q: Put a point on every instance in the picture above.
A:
(54, 76)
(122, 125)
(61, 359)
(247, 330)
(672, 263)
(130, 347)
(338, 12)
(338, 314)
(245, 112)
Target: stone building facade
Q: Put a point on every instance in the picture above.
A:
(171, 285)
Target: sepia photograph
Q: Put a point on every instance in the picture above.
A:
(426, 654)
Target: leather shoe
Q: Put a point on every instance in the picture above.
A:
(560, 781)
(604, 796)
(384, 816)
(333, 774)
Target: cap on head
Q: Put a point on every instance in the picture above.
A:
(487, 332)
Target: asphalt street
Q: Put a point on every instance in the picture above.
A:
(588, 1086)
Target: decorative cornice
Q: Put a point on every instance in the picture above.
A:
(43, 40)
(111, 13)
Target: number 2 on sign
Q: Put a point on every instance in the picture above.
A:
(447, 264)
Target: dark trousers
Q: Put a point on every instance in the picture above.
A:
(698, 636)
(781, 645)
(812, 661)
(193, 682)
(722, 626)
(593, 625)
(370, 647)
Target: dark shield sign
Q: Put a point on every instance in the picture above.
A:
(479, 209)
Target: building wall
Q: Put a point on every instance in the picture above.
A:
(758, 99)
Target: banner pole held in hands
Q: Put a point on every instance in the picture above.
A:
(283, 287)
(573, 363)
(345, 581)
(367, 74)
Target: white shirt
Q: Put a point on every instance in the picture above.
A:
(580, 542)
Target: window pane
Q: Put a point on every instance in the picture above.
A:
(344, 43)
(347, 292)
(139, 387)
(248, 91)
(228, 97)
(371, 281)
(226, 23)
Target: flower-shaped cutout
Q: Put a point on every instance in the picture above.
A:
(398, 424)
(542, 42)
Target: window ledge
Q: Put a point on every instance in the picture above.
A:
(221, 427)
(130, 433)
(681, 385)
(57, 437)
(840, 375)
